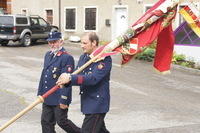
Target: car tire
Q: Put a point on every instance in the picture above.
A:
(26, 40)
(4, 42)
(54, 30)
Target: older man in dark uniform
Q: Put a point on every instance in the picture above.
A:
(55, 107)
(94, 86)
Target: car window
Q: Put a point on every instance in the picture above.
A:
(34, 21)
(21, 21)
(42, 22)
(6, 20)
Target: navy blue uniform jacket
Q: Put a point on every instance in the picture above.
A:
(94, 85)
(53, 67)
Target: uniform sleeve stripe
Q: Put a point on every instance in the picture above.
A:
(80, 79)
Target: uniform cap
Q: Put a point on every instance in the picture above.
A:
(54, 36)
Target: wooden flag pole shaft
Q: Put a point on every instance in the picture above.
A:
(39, 100)
(114, 43)
(52, 90)
(88, 63)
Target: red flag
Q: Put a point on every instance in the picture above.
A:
(154, 24)
(164, 49)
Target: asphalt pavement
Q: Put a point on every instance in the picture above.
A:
(142, 101)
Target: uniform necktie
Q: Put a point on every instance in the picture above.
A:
(51, 56)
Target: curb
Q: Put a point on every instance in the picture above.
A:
(186, 69)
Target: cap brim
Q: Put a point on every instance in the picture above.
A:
(53, 39)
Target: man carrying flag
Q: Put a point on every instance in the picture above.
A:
(94, 86)
(94, 80)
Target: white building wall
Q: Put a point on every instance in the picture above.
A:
(191, 52)
(36, 7)
(105, 11)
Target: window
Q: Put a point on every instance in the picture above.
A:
(147, 7)
(184, 35)
(6, 20)
(70, 19)
(49, 16)
(90, 18)
(21, 21)
(3, 4)
(42, 22)
(34, 21)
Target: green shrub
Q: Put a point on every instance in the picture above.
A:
(147, 55)
(190, 64)
(180, 59)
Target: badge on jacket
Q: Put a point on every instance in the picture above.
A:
(54, 70)
(90, 72)
(100, 66)
(69, 69)
(54, 76)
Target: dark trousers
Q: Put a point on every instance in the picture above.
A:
(53, 114)
(94, 123)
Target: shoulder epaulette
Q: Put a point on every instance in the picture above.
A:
(61, 52)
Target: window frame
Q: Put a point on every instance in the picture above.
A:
(45, 15)
(16, 19)
(145, 7)
(42, 20)
(70, 30)
(85, 7)
(37, 20)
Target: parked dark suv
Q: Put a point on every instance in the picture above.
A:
(25, 29)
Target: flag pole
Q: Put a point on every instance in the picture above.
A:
(36, 102)
(134, 30)
(40, 99)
